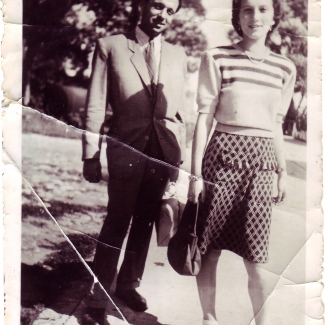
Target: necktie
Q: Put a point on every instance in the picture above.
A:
(152, 67)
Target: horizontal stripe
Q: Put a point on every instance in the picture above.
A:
(252, 81)
(229, 56)
(252, 75)
(244, 57)
(264, 72)
(280, 57)
(279, 65)
(226, 47)
(244, 63)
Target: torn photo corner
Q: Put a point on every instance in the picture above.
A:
(97, 154)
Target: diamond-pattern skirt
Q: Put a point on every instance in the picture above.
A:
(236, 214)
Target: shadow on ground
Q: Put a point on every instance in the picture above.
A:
(295, 141)
(297, 169)
(43, 284)
(59, 208)
(61, 281)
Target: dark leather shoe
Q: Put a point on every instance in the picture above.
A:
(133, 299)
(94, 316)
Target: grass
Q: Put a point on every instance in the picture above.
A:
(35, 122)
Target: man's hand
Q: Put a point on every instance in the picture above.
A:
(92, 170)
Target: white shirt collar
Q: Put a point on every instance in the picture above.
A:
(143, 39)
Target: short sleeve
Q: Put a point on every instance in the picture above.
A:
(287, 94)
(209, 84)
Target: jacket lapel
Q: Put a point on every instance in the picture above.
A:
(139, 63)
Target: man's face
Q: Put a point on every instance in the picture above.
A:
(157, 15)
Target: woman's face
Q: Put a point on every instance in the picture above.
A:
(256, 18)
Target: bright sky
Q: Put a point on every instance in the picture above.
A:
(218, 21)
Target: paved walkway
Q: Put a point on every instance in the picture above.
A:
(172, 299)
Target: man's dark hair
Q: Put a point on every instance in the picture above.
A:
(135, 12)
(179, 6)
(236, 4)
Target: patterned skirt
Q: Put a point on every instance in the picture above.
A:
(236, 214)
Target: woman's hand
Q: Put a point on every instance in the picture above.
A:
(195, 189)
(282, 190)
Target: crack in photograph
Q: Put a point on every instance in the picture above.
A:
(164, 163)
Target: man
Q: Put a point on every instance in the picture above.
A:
(142, 78)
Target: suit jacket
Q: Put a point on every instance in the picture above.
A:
(120, 79)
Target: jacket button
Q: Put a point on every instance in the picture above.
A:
(146, 138)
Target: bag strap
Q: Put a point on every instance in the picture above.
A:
(196, 215)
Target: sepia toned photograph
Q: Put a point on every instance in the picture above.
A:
(165, 163)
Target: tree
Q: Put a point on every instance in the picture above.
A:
(59, 38)
(290, 39)
(186, 32)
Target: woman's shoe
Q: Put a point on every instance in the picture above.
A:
(210, 322)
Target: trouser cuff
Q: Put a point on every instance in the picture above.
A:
(96, 297)
(127, 285)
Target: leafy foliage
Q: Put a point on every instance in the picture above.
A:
(186, 32)
(59, 35)
(59, 38)
(290, 39)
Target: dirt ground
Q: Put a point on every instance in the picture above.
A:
(54, 280)
(52, 171)
(52, 167)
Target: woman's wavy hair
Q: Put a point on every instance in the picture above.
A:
(236, 4)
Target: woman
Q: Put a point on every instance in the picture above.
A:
(247, 89)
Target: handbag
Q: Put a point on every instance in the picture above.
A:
(167, 224)
(183, 253)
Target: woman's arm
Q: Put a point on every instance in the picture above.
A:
(287, 93)
(209, 86)
(280, 157)
(201, 135)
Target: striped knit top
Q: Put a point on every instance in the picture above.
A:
(246, 96)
